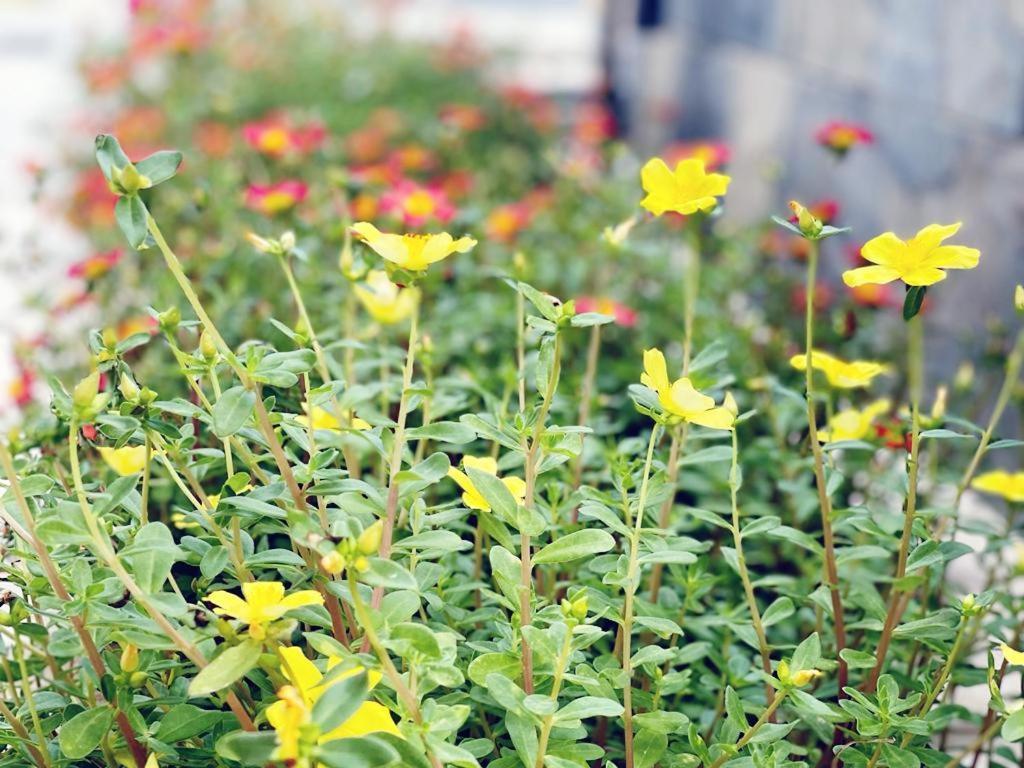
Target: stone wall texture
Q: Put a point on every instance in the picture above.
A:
(939, 82)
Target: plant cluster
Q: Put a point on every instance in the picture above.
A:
(436, 433)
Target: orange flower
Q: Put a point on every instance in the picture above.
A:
(623, 315)
(95, 266)
(505, 222)
(276, 136)
(840, 136)
(714, 154)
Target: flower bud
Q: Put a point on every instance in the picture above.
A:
(968, 604)
(810, 225)
(128, 388)
(169, 320)
(804, 676)
(578, 607)
(288, 241)
(939, 406)
(730, 404)
(137, 679)
(361, 564)
(129, 658)
(86, 390)
(333, 562)
(207, 348)
(128, 180)
(369, 540)
(1018, 298)
(261, 244)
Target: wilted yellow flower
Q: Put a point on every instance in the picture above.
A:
(293, 709)
(852, 424)
(1009, 485)
(686, 190)
(412, 252)
(129, 460)
(471, 497)
(680, 398)
(385, 301)
(324, 419)
(1012, 656)
(265, 601)
(917, 261)
(856, 373)
(796, 677)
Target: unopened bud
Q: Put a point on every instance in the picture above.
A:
(288, 241)
(261, 244)
(128, 388)
(804, 676)
(137, 679)
(129, 658)
(128, 180)
(964, 377)
(968, 603)
(939, 406)
(1018, 298)
(369, 540)
(206, 347)
(86, 390)
(361, 564)
(730, 404)
(169, 320)
(333, 563)
(808, 223)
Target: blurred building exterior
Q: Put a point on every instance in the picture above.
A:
(939, 82)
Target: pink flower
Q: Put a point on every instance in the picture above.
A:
(415, 205)
(841, 136)
(623, 315)
(272, 199)
(276, 136)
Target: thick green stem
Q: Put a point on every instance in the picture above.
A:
(915, 367)
(632, 582)
(825, 502)
(765, 717)
(741, 563)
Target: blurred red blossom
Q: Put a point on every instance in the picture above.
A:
(624, 316)
(96, 265)
(840, 136)
(416, 204)
(271, 199)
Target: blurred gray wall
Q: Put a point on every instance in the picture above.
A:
(940, 82)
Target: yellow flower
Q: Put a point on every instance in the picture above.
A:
(686, 190)
(128, 460)
(412, 252)
(265, 601)
(796, 677)
(857, 373)
(1009, 485)
(917, 261)
(385, 301)
(1012, 657)
(293, 709)
(852, 424)
(680, 398)
(471, 497)
(324, 419)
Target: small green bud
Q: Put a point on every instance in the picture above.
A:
(169, 320)
(369, 540)
(207, 348)
(86, 391)
(1018, 299)
(128, 388)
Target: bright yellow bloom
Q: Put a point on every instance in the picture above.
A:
(129, 460)
(680, 398)
(293, 709)
(265, 601)
(324, 419)
(1009, 485)
(852, 424)
(471, 497)
(412, 252)
(385, 301)
(917, 261)
(686, 190)
(1012, 656)
(857, 373)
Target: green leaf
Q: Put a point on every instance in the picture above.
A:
(151, 555)
(340, 701)
(444, 432)
(544, 303)
(82, 733)
(857, 659)
(247, 747)
(589, 541)
(225, 669)
(648, 747)
(160, 166)
(1013, 728)
(185, 721)
(360, 752)
(588, 706)
(109, 154)
(232, 410)
(131, 214)
(390, 575)
(498, 496)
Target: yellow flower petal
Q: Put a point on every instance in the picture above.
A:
(371, 717)
(685, 399)
(1012, 656)
(714, 418)
(885, 250)
(299, 671)
(876, 275)
(129, 460)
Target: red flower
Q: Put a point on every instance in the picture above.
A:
(95, 266)
(215, 139)
(623, 315)
(840, 136)
(594, 123)
(463, 117)
(276, 198)
(20, 388)
(412, 158)
(415, 204)
(715, 154)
